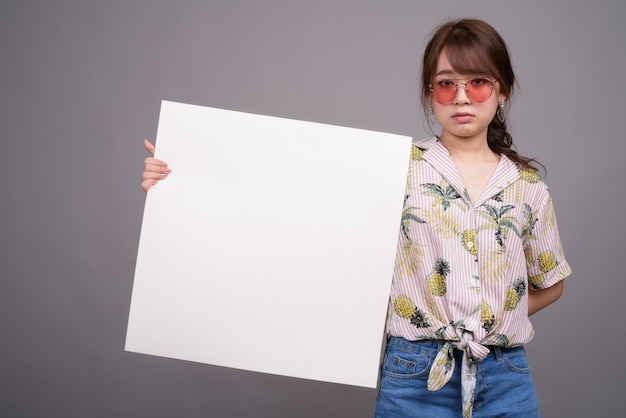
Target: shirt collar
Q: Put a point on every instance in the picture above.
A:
(438, 157)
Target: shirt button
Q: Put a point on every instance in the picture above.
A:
(469, 244)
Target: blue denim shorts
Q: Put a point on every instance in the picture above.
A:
(504, 386)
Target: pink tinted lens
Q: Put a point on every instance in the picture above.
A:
(478, 90)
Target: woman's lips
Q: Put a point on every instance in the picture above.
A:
(462, 117)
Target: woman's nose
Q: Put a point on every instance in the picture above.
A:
(461, 96)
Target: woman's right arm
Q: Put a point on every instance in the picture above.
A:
(153, 170)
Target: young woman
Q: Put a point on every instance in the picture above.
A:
(478, 251)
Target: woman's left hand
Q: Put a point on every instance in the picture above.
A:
(153, 170)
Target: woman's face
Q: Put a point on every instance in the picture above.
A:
(463, 113)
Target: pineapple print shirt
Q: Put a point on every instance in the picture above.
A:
(463, 268)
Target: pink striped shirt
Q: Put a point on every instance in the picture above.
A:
(463, 268)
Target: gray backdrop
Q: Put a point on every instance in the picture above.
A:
(81, 84)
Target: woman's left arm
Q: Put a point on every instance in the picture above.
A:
(539, 299)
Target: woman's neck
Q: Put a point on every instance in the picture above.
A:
(474, 161)
(468, 148)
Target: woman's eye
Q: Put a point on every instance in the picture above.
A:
(445, 83)
(477, 82)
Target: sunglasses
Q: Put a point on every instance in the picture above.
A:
(477, 89)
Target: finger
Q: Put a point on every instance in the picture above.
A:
(152, 160)
(157, 168)
(148, 146)
(146, 184)
(153, 175)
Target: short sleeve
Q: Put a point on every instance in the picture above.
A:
(545, 259)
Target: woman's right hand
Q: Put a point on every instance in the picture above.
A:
(153, 170)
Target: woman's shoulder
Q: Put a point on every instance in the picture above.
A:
(421, 146)
(529, 180)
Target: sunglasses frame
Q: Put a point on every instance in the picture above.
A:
(465, 83)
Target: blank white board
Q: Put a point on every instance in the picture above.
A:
(271, 245)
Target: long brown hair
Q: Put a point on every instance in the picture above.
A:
(474, 46)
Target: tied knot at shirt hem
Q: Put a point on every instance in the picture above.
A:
(444, 363)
